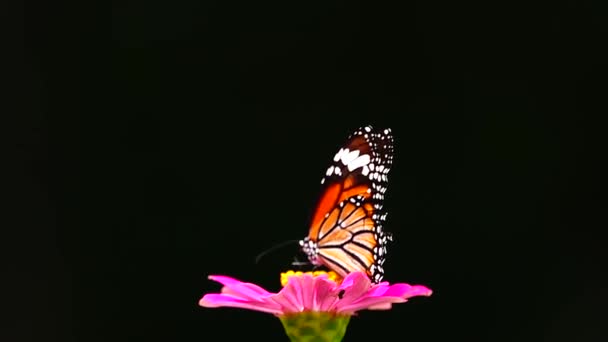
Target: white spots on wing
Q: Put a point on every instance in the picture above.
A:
(338, 155)
(333, 170)
(352, 160)
(358, 162)
(378, 196)
(373, 165)
(349, 157)
(380, 175)
(357, 200)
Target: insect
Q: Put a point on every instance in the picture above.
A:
(346, 233)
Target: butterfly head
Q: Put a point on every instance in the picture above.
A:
(311, 249)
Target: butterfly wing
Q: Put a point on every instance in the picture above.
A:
(346, 232)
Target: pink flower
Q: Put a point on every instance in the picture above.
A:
(313, 293)
(313, 305)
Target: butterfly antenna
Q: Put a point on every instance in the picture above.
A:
(274, 248)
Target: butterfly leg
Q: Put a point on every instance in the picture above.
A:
(298, 263)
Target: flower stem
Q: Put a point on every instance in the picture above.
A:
(315, 326)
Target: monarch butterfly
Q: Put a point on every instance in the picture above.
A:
(345, 233)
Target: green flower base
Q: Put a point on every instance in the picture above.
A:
(315, 326)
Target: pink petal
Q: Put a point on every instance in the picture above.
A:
(399, 290)
(355, 279)
(218, 300)
(237, 287)
(242, 292)
(366, 303)
(418, 290)
(296, 290)
(290, 296)
(381, 297)
(355, 285)
(381, 306)
(331, 297)
(325, 294)
(307, 286)
(378, 290)
(284, 302)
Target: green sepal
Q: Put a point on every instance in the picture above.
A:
(315, 326)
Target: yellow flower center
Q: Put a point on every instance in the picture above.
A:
(331, 275)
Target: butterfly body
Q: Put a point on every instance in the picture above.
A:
(346, 232)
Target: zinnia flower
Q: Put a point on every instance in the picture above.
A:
(313, 304)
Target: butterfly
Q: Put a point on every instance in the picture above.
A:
(346, 231)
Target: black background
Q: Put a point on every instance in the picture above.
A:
(166, 141)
